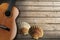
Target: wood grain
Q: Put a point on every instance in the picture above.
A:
(47, 27)
(47, 34)
(44, 13)
(40, 20)
(39, 6)
(41, 0)
(40, 14)
(36, 3)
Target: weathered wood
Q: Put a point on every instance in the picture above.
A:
(41, 0)
(33, 3)
(39, 39)
(40, 14)
(47, 34)
(40, 20)
(39, 8)
(37, 3)
(46, 27)
(44, 13)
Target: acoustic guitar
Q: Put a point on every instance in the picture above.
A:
(8, 15)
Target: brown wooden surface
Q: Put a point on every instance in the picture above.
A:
(44, 13)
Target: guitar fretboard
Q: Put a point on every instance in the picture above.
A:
(11, 4)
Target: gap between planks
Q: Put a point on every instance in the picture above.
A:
(41, 0)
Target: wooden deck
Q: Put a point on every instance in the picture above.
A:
(44, 13)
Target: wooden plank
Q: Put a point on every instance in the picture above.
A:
(33, 3)
(47, 34)
(39, 39)
(40, 14)
(41, 0)
(43, 5)
(52, 27)
(37, 3)
(52, 34)
(49, 21)
(40, 20)
(39, 8)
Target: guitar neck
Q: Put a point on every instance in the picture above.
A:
(11, 4)
(0, 1)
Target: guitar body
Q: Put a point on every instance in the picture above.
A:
(8, 22)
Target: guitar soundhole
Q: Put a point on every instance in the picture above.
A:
(7, 13)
